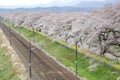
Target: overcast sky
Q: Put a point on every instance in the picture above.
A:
(42, 3)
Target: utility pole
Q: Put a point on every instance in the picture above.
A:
(76, 57)
(76, 61)
(30, 53)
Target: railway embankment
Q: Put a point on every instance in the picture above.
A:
(11, 63)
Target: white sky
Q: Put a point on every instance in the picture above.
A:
(8, 3)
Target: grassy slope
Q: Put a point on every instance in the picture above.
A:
(67, 56)
(6, 73)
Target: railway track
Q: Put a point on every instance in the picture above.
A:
(43, 67)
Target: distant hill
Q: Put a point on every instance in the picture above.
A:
(82, 6)
(91, 4)
(53, 9)
(94, 4)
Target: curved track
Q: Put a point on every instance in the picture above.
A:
(43, 67)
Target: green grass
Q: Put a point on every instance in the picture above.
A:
(67, 57)
(6, 73)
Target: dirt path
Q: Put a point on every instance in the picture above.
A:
(17, 64)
